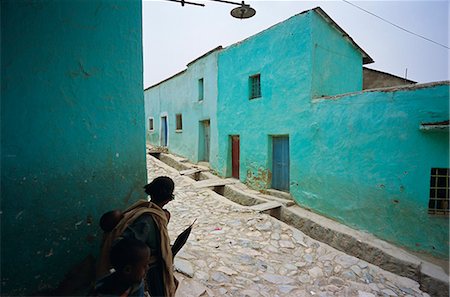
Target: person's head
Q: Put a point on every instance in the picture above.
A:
(130, 258)
(110, 219)
(160, 190)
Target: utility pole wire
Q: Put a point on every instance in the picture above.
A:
(348, 2)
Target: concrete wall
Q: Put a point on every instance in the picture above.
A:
(180, 95)
(72, 132)
(373, 79)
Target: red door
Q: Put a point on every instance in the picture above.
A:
(235, 156)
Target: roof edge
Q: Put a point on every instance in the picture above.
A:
(366, 58)
(205, 54)
(396, 76)
(190, 63)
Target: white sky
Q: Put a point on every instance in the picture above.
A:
(173, 35)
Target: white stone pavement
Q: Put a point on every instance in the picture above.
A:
(235, 251)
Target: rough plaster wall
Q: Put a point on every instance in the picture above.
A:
(73, 142)
(180, 95)
(337, 65)
(364, 161)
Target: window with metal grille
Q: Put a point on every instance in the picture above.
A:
(255, 86)
(439, 192)
(200, 89)
(150, 124)
(179, 122)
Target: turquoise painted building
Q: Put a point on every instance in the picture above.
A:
(181, 112)
(291, 114)
(72, 136)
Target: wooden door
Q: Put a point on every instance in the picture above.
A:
(235, 156)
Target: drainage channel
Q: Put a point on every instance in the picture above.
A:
(429, 276)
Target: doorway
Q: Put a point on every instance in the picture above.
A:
(164, 131)
(280, 163)
(204, 141)
(235, 156)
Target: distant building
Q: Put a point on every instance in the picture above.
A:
(373, 79)
(285, 109)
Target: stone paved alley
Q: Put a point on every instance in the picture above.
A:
(236, 251)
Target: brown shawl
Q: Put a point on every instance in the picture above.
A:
(130, 215)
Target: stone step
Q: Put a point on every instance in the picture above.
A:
(190, 171)
(283, 201)
(266, 206)
(206, 183)
(279, 194)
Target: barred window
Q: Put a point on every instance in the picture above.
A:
(439, 192)
(255, 86)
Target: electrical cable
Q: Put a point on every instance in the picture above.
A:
(410, 32)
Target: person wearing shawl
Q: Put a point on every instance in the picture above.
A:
(147, 221)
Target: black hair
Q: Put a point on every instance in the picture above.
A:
(126, 252)
(160, 189)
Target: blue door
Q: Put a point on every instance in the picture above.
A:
(204, 136)
(163, 131)
(280, 163)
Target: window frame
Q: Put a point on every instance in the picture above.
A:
(151, 124)
(201, 89)
(438, 203)
(254, 86)
(178, 122)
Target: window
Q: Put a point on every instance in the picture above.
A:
(200, 89)
(150, 124)
(439, 188)
(255, 86)
(179, 122)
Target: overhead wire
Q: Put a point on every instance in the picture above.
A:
(397, 26)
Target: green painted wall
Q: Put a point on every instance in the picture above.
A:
(282, 56)
(336, 66)
(72, 132)
(362, 160)
(179, 95)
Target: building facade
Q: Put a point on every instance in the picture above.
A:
(72, 136)
(292, 115)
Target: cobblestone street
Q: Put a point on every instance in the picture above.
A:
(236, 251)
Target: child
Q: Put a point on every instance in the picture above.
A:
(130, 259)
(110, 219)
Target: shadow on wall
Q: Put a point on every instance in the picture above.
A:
(77, 282)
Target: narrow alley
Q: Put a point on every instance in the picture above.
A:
(236, 251)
